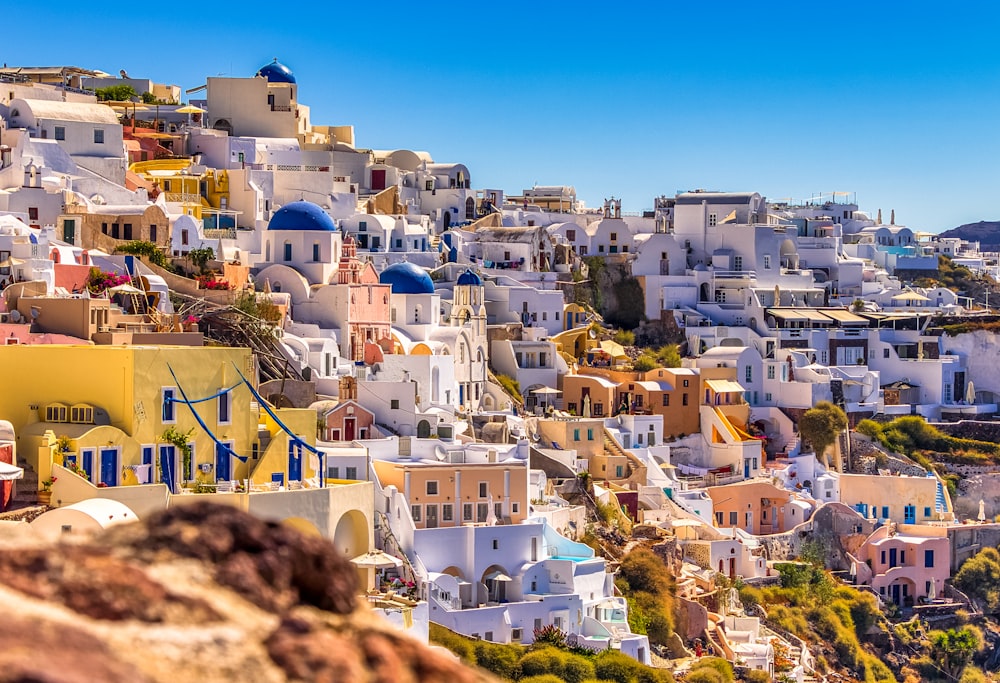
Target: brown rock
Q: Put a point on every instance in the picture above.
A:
(40, 652)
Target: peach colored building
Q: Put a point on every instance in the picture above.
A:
(601, 392)
(443, 494)
(756, 507)
(347, 421)
(902, 568)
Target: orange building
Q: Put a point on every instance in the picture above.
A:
(445, 494)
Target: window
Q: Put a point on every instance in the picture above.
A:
(432, 488)
(483, 489)
(104, 228)
(60, 132)
(467, 512)
(927, 512)
(686, 384)
(600, 248)
(394, 404)
(288, 251)
(362, 226)
(515, 508)
(576, 434)
(167, 412)
(224, 406)
(718, 519)
(733, 518)
(590, 435)
(767, 266)
(768, 397)
(885, 352)
(496, 544)
(335, 473)
(516, 634)
(684, 399)
(713, 219)
(482, 512)
(928, 558)
(55, 413)
(115, 232)
(33, 213)
(498, 510)
(315, 251)
(571, 235)
(720, 296)
(614, 237)
(415, 512)
(351, 473)
(98, 136)
(885, 512)
(770, 371)
(749, 373)
(447, 512)
(152, 233)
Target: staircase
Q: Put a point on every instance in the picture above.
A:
(26, 489)
(940, 505)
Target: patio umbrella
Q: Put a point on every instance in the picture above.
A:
(497, 575)
(970, 393)
(10, 261)
(376, 559)
(586, 405)
(190, 109)
(932, 593)
(10, 472)
(125, 289)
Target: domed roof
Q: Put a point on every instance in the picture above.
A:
(301, 216)
(470, 278)
(276, 72)
(407, 278)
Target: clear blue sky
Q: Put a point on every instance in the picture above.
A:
(896, 101)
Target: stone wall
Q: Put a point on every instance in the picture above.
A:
(863, 458)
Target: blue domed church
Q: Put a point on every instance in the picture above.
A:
(303, 237)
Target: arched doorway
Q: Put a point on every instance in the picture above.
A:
(423, 429)
(350, 537)
(704, 292)
(470, 209)
(446, 221)
(493, 585)
(224, 124)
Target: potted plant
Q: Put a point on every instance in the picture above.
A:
(45, 495)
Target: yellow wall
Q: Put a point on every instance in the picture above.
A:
(127, 382)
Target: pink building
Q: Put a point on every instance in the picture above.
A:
(348, 420)
(367, 311)
(903, 568)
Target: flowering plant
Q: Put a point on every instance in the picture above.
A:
(98, 281)
(47, 484)
(209, 282)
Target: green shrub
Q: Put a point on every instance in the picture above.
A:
(716, 664)
(143, 248)
(542, 678)
(546, 660)
(460, 645)
(502, 660)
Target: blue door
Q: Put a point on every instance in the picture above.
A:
(88, 463)
(910, 514)
(294, 461)
(746, 468)
(168, 467)
(892, 560)
(278, 478)
(222, 469)
(109, 466)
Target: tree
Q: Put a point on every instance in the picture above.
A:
(148, 98)
(953, 649)
(820, 425)
(116, 93)
(979, 577)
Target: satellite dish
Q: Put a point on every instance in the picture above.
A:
(15, 315)
(440, 453)
(34, 313)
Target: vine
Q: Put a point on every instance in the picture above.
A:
(179, 439)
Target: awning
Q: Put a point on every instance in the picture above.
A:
(545, 390)
(814, 315)
(845, 317)
(10, 472)
(497, 575)
(910, 296)
(785, 314)
(724, 386)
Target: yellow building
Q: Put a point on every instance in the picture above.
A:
(197, 191)
(118, 416)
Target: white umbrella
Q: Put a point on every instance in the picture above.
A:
(545, 390)
(932, 593)
(10, 472)
(497, 575)
(376, 559)
(586, 405)
(982, 510)
(491, 517)
(125, 289)
(11, 261)
(970, 393)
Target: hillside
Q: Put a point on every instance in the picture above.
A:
(200, 593)
(984, 232)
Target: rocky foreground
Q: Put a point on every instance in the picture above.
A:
(198, 593)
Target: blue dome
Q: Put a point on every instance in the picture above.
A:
(301, 216)
(407, 278)
(470, 278)
(276, 72)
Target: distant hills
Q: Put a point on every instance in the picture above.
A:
(984, 232)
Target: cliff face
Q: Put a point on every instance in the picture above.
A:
(199, 593)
